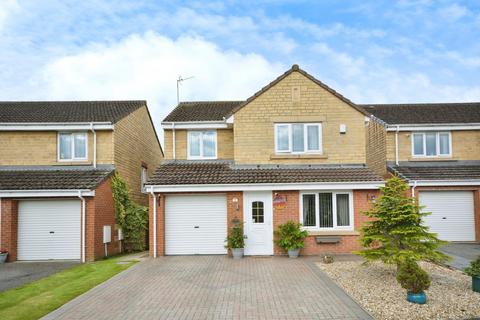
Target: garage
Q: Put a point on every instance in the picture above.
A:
(195, 224)
(452, 214)
(49, 230)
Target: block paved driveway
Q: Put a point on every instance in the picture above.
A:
(215, 287)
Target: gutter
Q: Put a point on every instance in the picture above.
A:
(413, 188)
(54, 126)
(154, 222)
(84, 232)
(94, 145)
(396, 145)
(45, 193)
(433, 127)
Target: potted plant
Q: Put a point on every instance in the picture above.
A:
(415, 280)
(291, 237)
(3, 255)
(236, 241)
(474, 271)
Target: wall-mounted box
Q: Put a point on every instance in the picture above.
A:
(107, 234)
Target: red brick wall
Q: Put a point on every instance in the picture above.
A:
(234, 210)
(160, 225)
(9, 227)
(101, 212)
(476, 201)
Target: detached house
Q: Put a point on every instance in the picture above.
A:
(56, 161)
(295, 150)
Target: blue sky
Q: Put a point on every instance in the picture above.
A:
(370, 51)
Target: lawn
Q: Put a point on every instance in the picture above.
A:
(40, 297)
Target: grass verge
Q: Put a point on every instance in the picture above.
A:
(40, 297)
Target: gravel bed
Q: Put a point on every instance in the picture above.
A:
(375, 288)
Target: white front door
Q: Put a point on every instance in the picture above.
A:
(258, 223)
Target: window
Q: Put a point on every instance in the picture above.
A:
(257, 212)
(431, 144)
(202, 144)
(327, 210)
(298, 138)
(72, 146)
(143, 177)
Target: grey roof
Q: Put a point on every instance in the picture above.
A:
(51, 179)
(426, 113)
(223, 173)
(66, 111)
(437, 171)
(202, 111)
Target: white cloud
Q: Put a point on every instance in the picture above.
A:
(7, 8)
(453, 12)
(147, 66)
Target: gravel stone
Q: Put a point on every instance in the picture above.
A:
(375, 288)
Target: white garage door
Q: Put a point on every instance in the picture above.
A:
(48, 229)
(195, 224)
(452, 214)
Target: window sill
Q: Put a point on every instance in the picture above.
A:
(333, 233)
(441, 158)
(74, 162)
(298, 156)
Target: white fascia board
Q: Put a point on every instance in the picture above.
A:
(266, 187)
(434, 127)
(443, 183)
(196, 125)
(231, 119)
(45, 193)
(56, 126)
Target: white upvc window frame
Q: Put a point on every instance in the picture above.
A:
(201, 157)
(305, 138)
(143, 177)
(72, 146)
(334, 193)
(424, 140)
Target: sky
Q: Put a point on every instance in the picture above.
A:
(370, 51)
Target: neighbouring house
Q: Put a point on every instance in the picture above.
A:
(436, 148)
(295, 150)
(56, 163)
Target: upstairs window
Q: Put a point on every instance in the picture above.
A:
(143, 177)
(72, 146)
(431, 144)
(298, 138)
(202, 145)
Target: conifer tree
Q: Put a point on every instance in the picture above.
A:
(397, 233)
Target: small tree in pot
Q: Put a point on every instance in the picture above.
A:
(236, 241)
(3, 255)
(474, 271)
(291, 237)
(415, 280)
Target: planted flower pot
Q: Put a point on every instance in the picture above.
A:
(476, 284)
(293, 253)
(418, 298)
(237, 253)
(3, 257)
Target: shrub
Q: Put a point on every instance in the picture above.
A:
(131, 217)
(396, 232)
(236, 239)
(474, 269)
(290, 236)
(412, 277)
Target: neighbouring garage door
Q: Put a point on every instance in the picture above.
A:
(195, 224)
(49, 229)
(452, 214)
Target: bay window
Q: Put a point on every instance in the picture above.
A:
(202, 145)
(327, 210)
(431, 144)
(298, 138)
